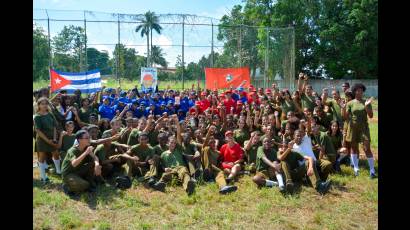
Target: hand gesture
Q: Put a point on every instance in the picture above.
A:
(89, 149)
(306, 77)
(368, 101)
(291, 143)
(300, 75)
(310, 171)
(115, 137)
(276, 113)
(63, 133)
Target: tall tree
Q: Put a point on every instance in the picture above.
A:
(149, 22)
(69, 49)
(158, 56)
(98, 60)
(41, 53)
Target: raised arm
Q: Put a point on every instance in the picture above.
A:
(210, 132)
(283, 154)
(277, 120)
(179, 136)
(368, 107)
(300, 87)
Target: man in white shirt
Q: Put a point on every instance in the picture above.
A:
(306, 149)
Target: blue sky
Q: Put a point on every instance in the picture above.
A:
(105, 34)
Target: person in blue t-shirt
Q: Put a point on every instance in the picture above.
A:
(120, 106)
(162, 108)
(170, 108)
(181, 115)
(105, 110)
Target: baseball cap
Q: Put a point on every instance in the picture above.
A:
(228, 133)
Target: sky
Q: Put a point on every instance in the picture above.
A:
(103, 36)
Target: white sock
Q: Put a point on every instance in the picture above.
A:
(371, 164)
(42, 168)
(280, 179)
(270, 183)
(355, 161)
(57, 164)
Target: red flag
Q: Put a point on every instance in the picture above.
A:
(222, 78)
(57, 81)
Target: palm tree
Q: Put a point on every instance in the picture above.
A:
(157, 57)
(148, 23)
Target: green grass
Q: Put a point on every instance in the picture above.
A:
(353, 199)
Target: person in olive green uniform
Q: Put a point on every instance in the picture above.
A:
(162, 144)
(210, 158)
(109, 157)
(323, 118)
(356, 112)
(295, 166)
(67, 139)
(336, 137)
(173, 163)
(267, 166)
(192, 155)
(287, 104)
(80, 166)
(46, 138)
(324, 150)
(86, 110)
(307, 98)
(241, 134)
(251, 146)
(141, 159)
(125, 133)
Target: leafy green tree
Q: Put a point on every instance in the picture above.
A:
(41, 54)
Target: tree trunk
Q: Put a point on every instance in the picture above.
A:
(148, 54)
(151, 49)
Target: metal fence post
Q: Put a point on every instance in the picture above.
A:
(212, 46)
(183, 38)
(266, 57)
(85, 34)
(118, 52)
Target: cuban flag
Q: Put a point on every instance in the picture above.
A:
(87, 82)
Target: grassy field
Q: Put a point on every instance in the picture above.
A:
(352, 203)
(127, 84)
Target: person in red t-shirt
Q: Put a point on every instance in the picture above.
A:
(253, 97)
(204, 103)
(229, 102)
(232, 156)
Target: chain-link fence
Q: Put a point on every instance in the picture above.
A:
(85, 40)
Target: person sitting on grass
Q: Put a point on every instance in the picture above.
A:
(140, 160)
(80, 166)
(173, 164)
(296, 166)
(109, 157)
(267, 166)
(210, 158)
(232, 157)
(251, 148)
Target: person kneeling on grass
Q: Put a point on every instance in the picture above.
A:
(267, 166)
(210, 160)
(296, 166)
(80, 166)
(174, 165)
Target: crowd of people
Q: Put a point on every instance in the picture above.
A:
(279, 138)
